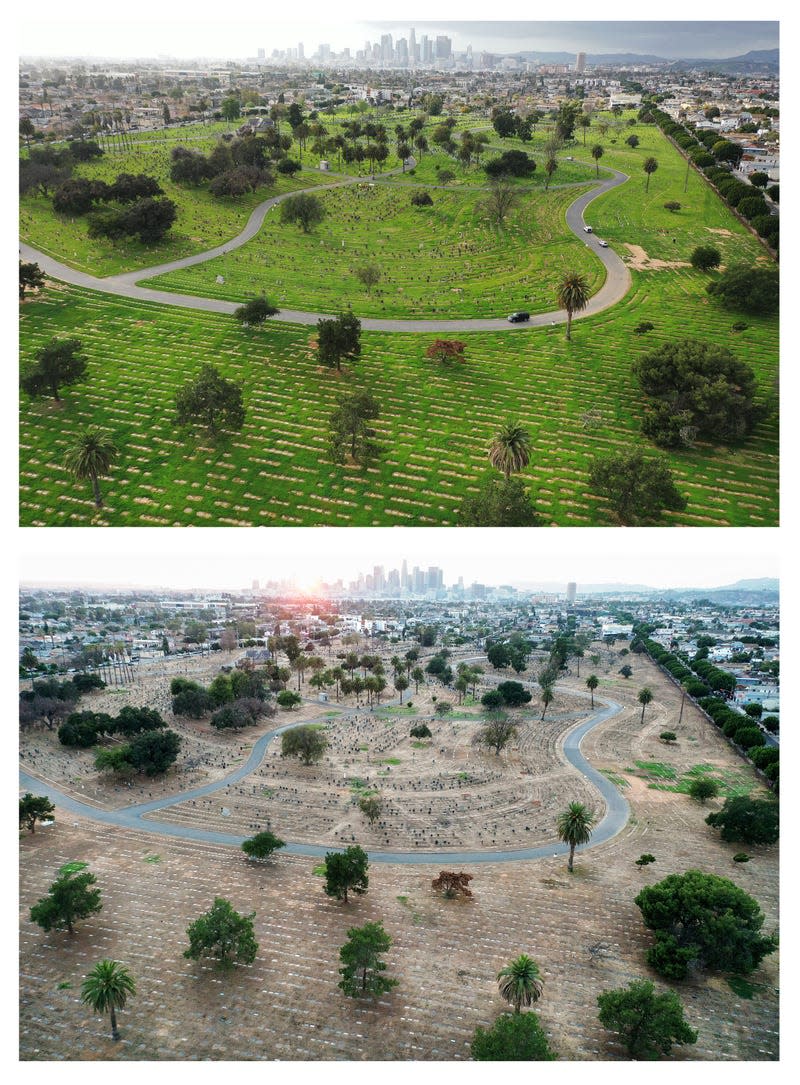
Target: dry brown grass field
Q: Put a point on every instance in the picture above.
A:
(584, 930)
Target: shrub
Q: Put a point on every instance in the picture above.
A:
(645, 326)
(705, 257)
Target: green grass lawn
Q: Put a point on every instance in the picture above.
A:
(445, 259)
(577, 399)
(203, 220)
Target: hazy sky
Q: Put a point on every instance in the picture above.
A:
(93, 28)
(220, 558)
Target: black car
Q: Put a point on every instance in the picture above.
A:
(518, 318)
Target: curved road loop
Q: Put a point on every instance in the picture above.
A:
(135, 817)
(616, 285)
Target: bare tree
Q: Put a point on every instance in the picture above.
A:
(502, 198)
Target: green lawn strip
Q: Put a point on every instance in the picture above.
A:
(435, 424)
(732, 782)
(396, 710)
(442, 260)
(615, 778)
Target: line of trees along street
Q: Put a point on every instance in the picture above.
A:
(710, 687)
(710, 153)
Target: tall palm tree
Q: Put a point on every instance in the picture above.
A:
(597, 154)
(90, 457)
(592, 682)
(645, 697)
(573, 295)
(649, 166)
(510, 449)
(575, 827)
(520, 982)
(106, 990)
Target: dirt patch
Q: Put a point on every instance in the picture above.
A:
(719, 230)
(640, 261)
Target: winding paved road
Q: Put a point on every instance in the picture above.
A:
(135, 817)
(615, 287)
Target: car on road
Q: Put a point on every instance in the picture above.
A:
(587, 229)
(602, 244)
(518, 318)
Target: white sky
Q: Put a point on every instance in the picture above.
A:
(232, 558)
(148, 28)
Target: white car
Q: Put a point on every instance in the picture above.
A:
(602, 244)
(587, 229)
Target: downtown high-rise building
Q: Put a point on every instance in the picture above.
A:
(444, 47)
(580, 63)
(572, 589)
(412, 50)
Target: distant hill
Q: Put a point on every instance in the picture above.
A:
(757, 61)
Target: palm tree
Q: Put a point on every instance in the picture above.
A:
(106, 990)
(573, 295)
(649, 166)
(90, 457)
(520, 982)
(592, 682)
(597, 154)
(575, 827)
(645, 697)
(510, 448)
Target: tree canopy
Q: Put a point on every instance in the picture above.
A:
(648, 1023)
(210, 400)
(512, 1038)
(255, 311)
(307, 743)
(338, 339)
(33, 808)
(346, 871)
(71, 896)
(262, 845)
(747, 289)
(58, 363)
(747, 821)
(501, 502)
(304, 209)
(701, 920)
(362, 969)
(696, 389)
(350, 430)
(223, 933)
(638, 488)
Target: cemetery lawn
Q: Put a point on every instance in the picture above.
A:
(577, 400)
(442, 260)
(203, 221)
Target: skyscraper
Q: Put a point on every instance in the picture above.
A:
(580, 63)
(444, 47)
(404, 578)
(412, 50)
(571, 592)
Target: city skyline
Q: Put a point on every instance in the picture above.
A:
(91, 31)
(488, 555)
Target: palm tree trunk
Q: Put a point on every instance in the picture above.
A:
(114, 1029)
(569, 324)
(571, 857)
(98, 497)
